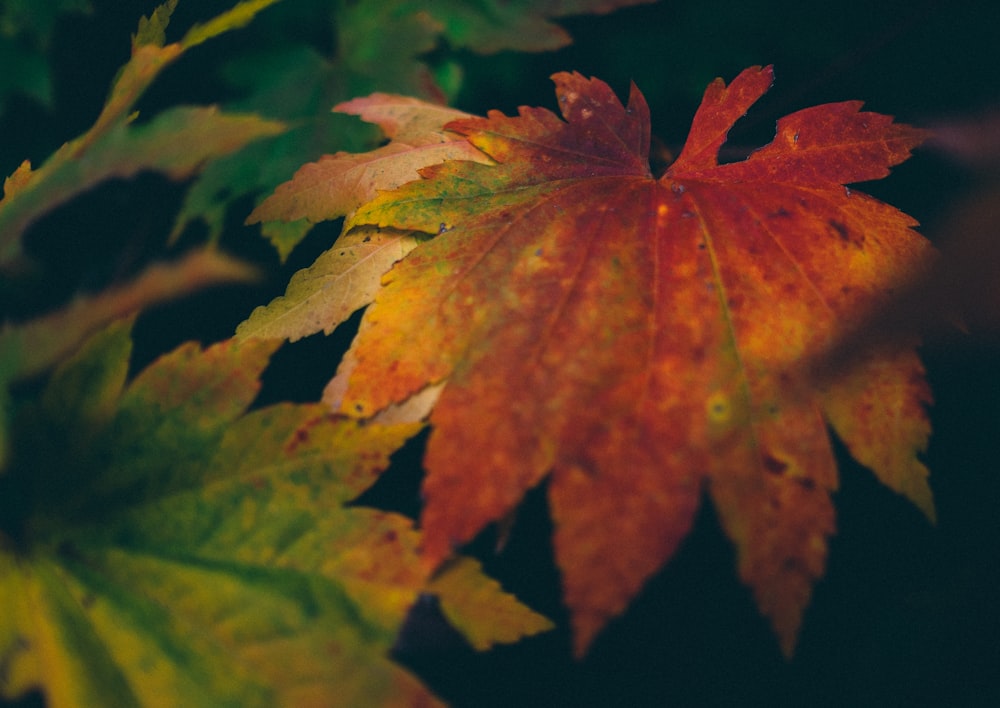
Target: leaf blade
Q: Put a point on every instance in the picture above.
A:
(634, 340)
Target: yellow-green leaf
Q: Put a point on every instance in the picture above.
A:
(234, 18)
(342, 280)
(464, 598)
(124, 151)
(186, 552)
(153, 29)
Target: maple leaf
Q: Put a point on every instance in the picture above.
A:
(631, 338)
(161, 546)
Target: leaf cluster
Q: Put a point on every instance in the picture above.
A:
(556, 315)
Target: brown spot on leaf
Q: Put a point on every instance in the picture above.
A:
(845, 234)
(774, 465)
(301, 436)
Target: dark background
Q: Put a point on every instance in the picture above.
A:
(907, 613)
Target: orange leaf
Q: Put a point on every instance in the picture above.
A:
(633, 339)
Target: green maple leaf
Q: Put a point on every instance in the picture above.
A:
(161, 546)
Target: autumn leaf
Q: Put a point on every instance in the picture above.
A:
(117, 146)
(160, 545)
(31, 348)
(630, 338)
(235, 17)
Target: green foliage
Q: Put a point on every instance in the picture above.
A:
(26, 30)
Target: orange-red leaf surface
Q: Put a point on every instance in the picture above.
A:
(632, 338)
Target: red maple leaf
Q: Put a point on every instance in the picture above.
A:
(634, 339)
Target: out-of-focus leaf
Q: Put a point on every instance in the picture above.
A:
(38, 344)
(26, 28)
(381, 46)
(285, 235)
(238, 16)
(25, 72)
(482, 611)
(178, 142)
(36, 18)
(522, 25)
(153, 29)
(298, 87)
(161, 546)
